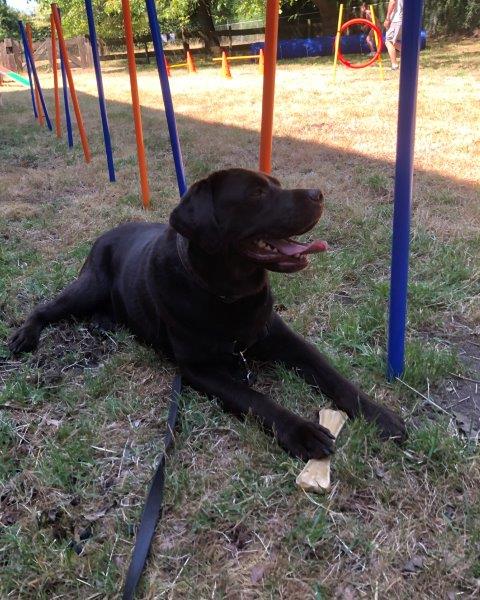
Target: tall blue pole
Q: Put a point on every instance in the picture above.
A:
(28, 57)
(412, 18)
(101, 95)
(167, 96)
(29, 71)
(68, 120)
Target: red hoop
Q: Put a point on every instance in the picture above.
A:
(368, 23)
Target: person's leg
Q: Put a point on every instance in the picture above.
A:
(392, 53)
(370, 43)
(391, 39)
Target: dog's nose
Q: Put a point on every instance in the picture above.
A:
(315, 195)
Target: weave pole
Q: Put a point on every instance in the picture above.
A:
(412, 19)
(58, 127)
(68, 119)
(101, 95)
(167, 96)
(268, 99)
(30, 77)
(28, 57)
(137, 116)
(28, 30)
(73, 93)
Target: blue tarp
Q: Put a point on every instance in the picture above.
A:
(323, 46)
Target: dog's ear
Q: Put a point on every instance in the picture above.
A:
(194, 217)
(273, 180)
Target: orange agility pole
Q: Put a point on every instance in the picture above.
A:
(137, 116)
(271, 37)
(58, 127)
(28, 29)
(71, 85)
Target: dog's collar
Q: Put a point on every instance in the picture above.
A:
(182, 249)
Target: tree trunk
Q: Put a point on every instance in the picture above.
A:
(328, 9)
(206, 27)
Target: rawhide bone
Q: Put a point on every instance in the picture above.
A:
(315, 477)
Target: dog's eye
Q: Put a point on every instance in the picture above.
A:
(258, 193)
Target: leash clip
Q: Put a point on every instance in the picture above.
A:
(249, 375)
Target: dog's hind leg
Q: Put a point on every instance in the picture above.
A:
(82, 298)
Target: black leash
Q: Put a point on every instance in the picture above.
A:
(154, 503)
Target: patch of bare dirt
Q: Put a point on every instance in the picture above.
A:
(459, 395)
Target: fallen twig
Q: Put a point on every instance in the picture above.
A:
(426, 398)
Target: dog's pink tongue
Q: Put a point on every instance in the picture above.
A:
(289, 247)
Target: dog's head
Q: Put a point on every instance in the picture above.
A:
(251, 214)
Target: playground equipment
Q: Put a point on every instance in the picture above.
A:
(167, 96)
(68, 120)
(58, 128)
(225, 61)
(137, 116)
(101, 95)
(341, 28)
(28, 30)
(14, 76)
(33, 76)
(268, 97)
(412, 19)
(376, 56)
(71, 85)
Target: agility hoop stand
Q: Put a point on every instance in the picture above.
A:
(337, 54)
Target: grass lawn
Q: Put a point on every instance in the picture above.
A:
(81, 419)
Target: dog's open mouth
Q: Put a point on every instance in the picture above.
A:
(282, 254)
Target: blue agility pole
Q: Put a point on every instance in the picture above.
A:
(68, 119)
(29, 58)
(101, 95)
(29, 71)
(412, 18)
(167, 96)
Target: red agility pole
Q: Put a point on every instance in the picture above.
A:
(271, 36)
(137, 116)
(58, 127)
(71, 85)
(28, 29)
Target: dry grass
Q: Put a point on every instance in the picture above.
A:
(82, 419)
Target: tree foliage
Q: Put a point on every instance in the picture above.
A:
(8, 21)
(451, 16)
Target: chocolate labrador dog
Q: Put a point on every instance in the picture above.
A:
(198, 291)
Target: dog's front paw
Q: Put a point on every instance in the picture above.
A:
(25, 339)
(391, 426)
(304, 439)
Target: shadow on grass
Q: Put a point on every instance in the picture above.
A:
(208, 146)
